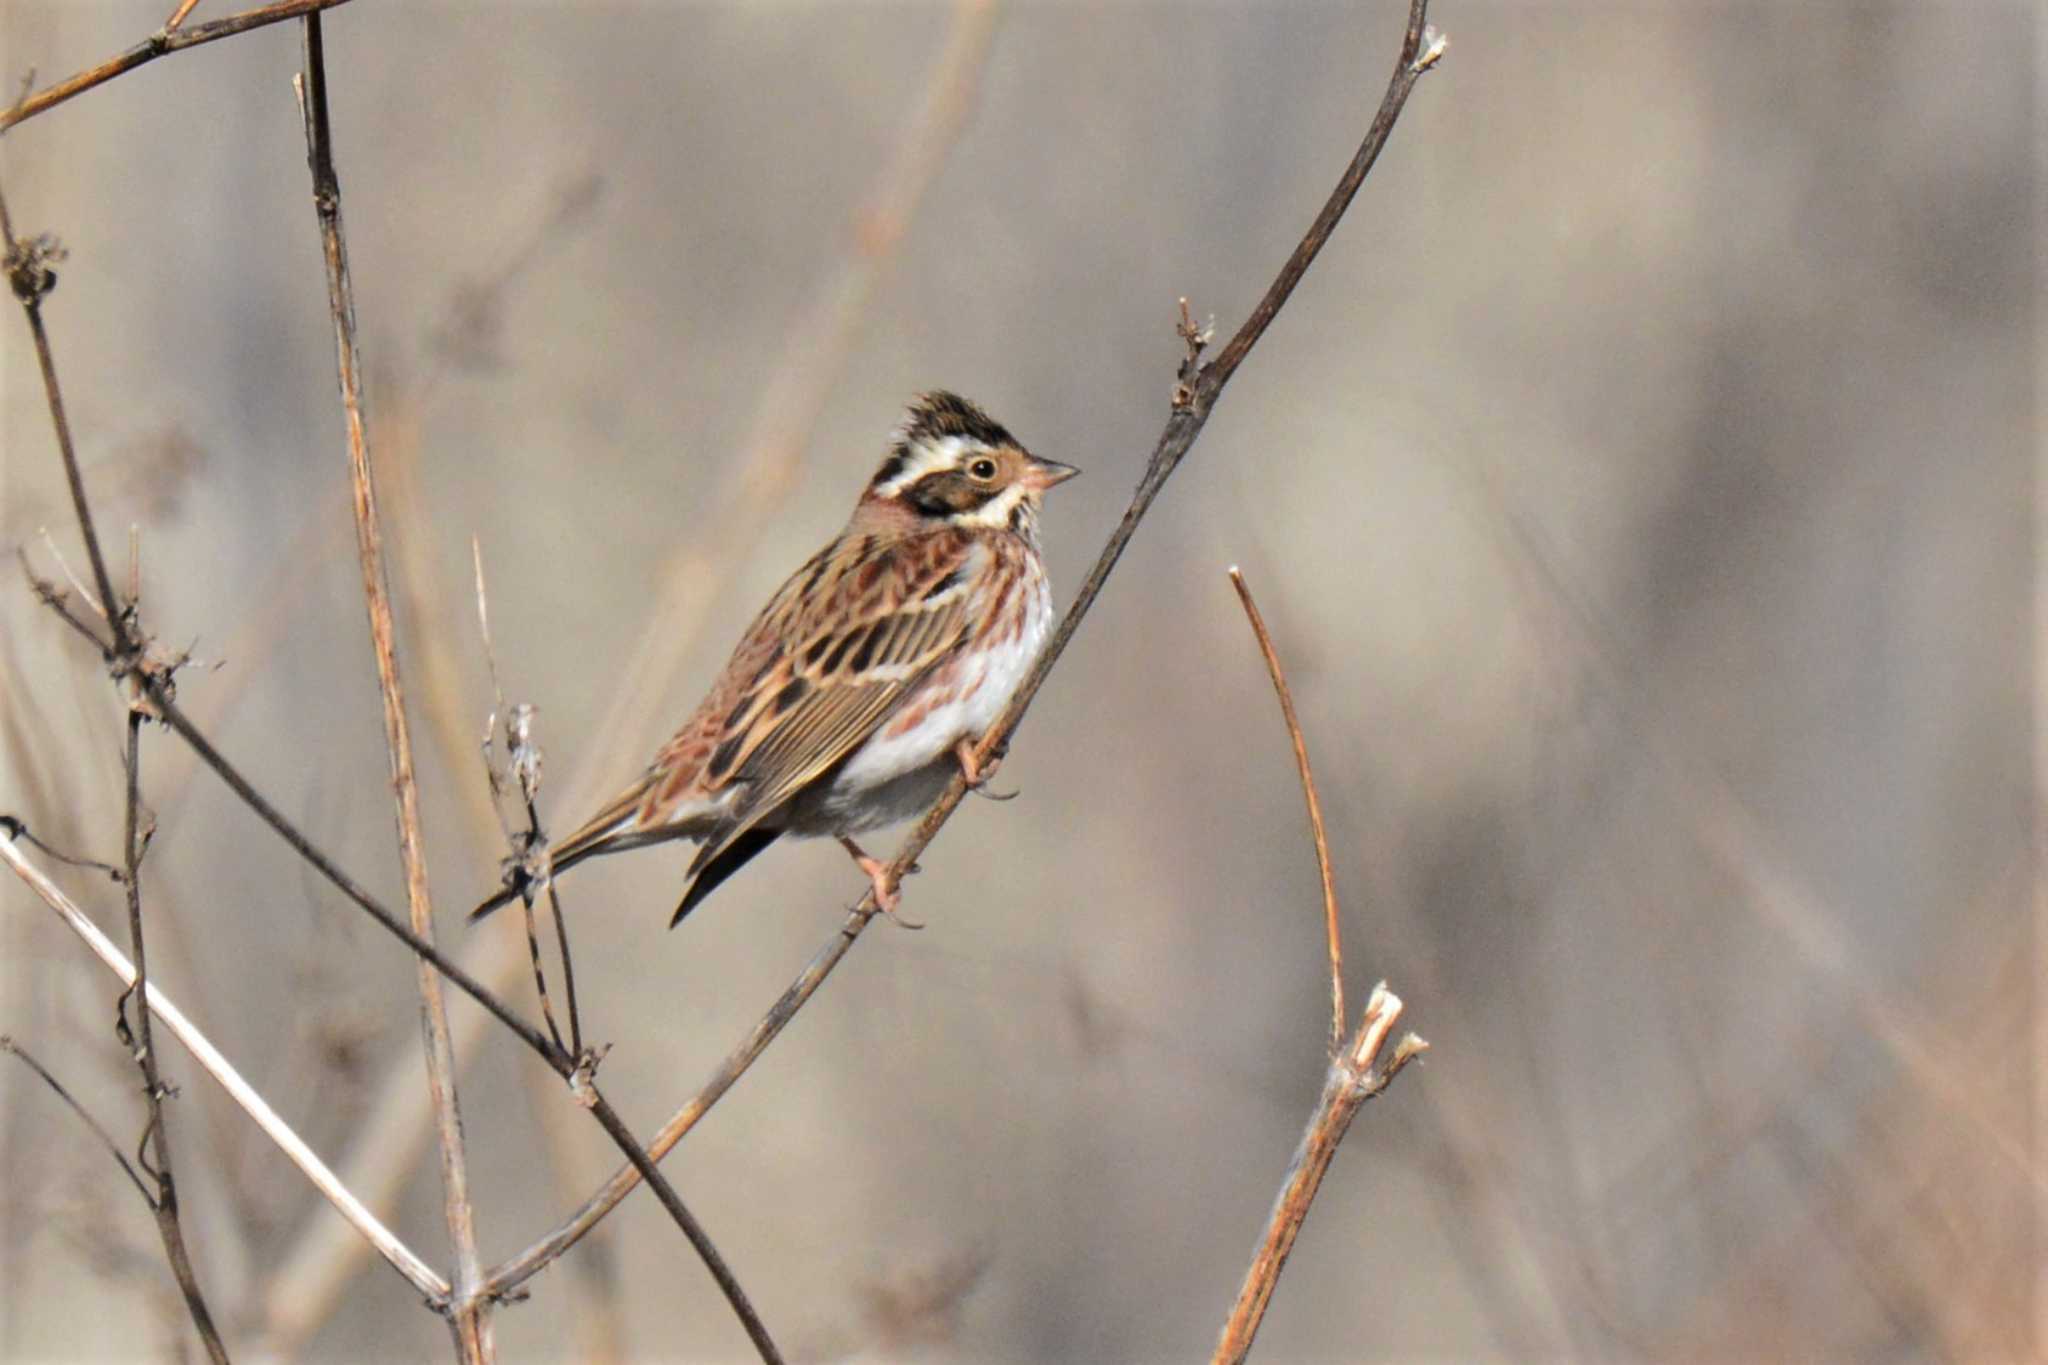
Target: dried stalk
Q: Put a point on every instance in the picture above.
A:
(387, 1243)
(468, 1309)
(468, 1317)
(29, 274)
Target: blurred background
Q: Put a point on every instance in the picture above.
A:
(1640, 488)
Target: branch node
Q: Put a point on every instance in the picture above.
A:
(1196, 337)
(28, 265)
(582, 1081)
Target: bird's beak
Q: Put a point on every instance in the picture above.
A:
(1044, 474)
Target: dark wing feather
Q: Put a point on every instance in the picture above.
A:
(805, 731)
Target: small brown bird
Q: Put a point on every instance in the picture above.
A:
(870, 674)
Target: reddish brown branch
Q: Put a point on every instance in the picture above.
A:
(1331, 926)
(1355, 1076)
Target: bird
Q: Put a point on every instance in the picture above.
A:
(863, 686)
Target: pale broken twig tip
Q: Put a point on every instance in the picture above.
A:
(1434, 43)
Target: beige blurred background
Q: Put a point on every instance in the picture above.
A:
(1641, 488)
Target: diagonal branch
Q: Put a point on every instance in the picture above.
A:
(387, 1243)
(7, 1044)
(1194, 402)
(171, 38)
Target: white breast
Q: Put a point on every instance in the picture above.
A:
(979, 686)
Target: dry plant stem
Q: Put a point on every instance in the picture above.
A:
(1355, 1076)
(158, 1133)
(468, 1308)
(1331, 927)
(121, 643)
(813, 355)
(7, 1044)
(423, 1276)
(170, 39)
(468, 1317)
(1182, 427)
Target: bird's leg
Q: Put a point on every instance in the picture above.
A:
(887, 897)
(978, 771)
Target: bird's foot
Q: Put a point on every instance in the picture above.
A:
(887, 896)
(977, 771)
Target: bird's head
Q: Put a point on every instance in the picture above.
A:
(950, 462)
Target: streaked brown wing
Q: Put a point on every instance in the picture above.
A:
(842, 672)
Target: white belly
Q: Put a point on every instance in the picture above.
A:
(894, 776)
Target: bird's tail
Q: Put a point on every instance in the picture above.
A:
(611, 830)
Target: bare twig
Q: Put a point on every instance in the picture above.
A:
(157, 1136)
(171, 39)
(1182, 427)
(29, 274)
(468, 1309)
(210, 1060)
(1315, 809)
(814, 354)
(1355, 1076)
(523, 764)
(7, 1044)
(185, 7)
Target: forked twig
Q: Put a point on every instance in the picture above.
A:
(1354, 1077)
(1355, 1073)
(1332, 927)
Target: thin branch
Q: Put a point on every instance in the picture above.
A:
(1190, 414)
(537, 1257)
(29, 274)
(813, 355)
(1421, 48)
(7, 1044)
(1355, 1076)
(469, 1308)
(422, 1276)
(469, 1318)
(158, 1133)
(170, 39)
(1332, 928)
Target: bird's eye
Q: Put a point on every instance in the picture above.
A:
(983, 468)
